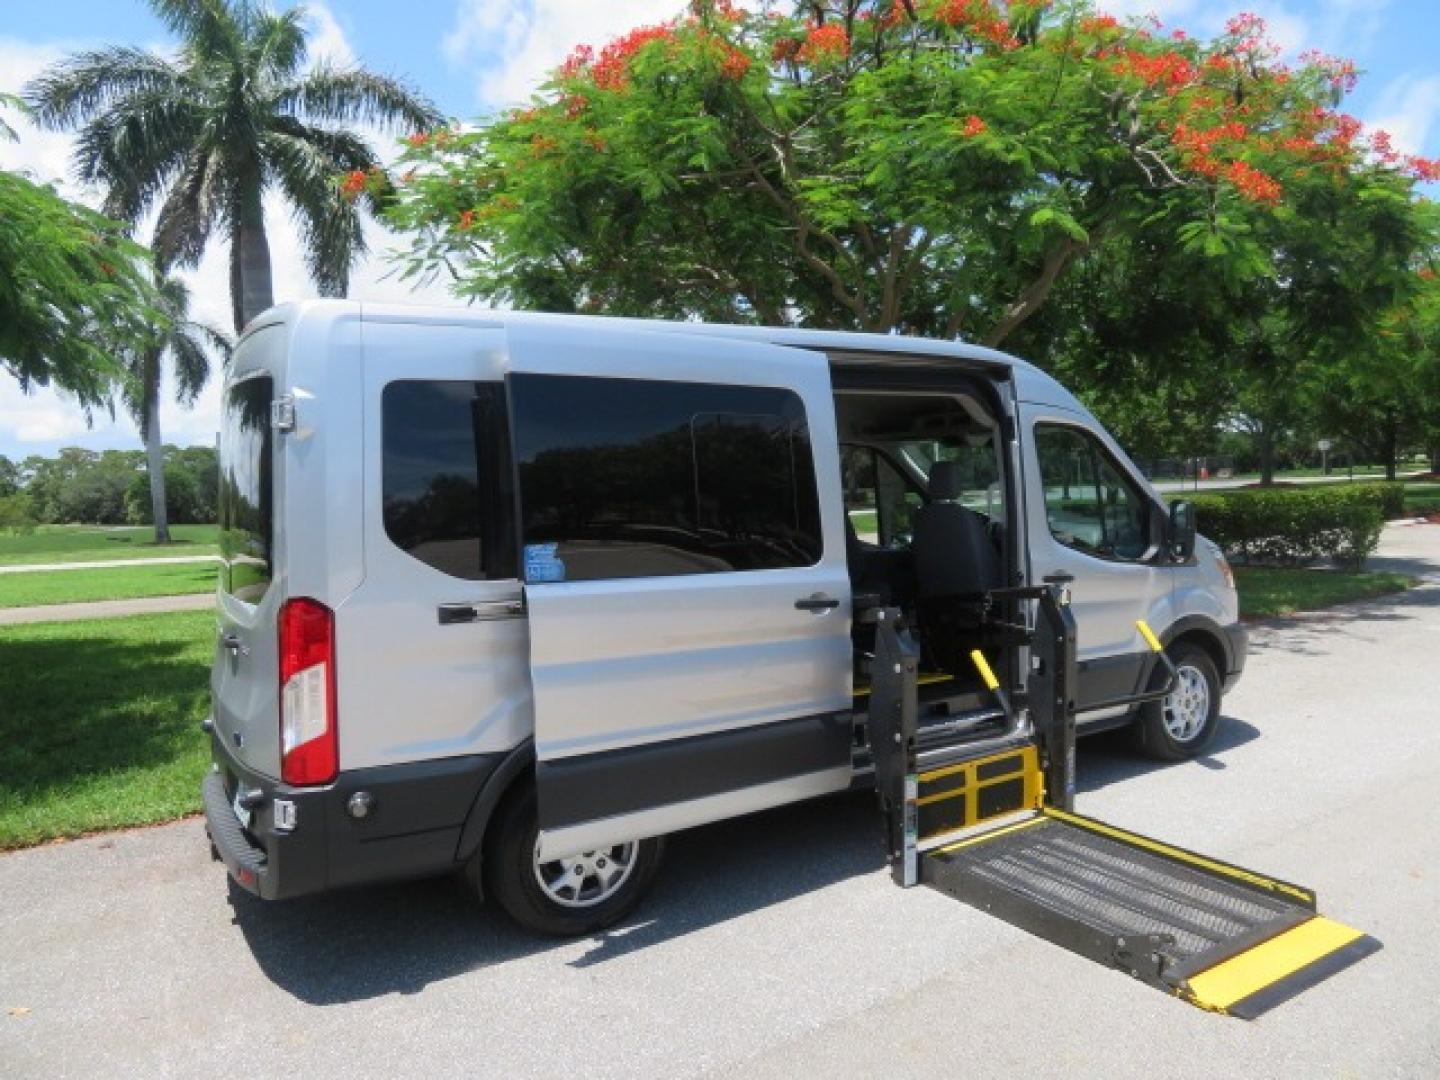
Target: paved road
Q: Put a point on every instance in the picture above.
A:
(107, 564)
(776, 945)
(106, 609)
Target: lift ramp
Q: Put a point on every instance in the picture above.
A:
(979, 822)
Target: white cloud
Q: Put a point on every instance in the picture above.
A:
(42, 421)
(1407, 109)
(328, 42)
(514, 45)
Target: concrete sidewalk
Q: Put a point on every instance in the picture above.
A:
(106, 609)
(107, 564)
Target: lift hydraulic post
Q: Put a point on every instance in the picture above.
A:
(991, 822)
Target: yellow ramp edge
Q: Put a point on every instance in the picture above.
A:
(1276, 970)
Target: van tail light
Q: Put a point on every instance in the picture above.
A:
(308, 748)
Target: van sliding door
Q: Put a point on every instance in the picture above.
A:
(685, 579)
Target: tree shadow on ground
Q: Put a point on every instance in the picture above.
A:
(79, 706)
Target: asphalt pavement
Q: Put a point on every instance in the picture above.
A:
(776, 945)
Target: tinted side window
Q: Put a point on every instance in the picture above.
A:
(1089, 503)
(246, 497)
(445, 475)
(631, 478)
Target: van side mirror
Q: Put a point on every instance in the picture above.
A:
(1182, 530)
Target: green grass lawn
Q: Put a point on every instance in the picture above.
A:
(99, 726)
(85, 543)
(1267, 592)
(1422, 497)
(116, 583)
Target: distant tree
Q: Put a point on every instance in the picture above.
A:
(205, 132)
(80, 485)
(9, 476)
(201, 465)
(188, 345)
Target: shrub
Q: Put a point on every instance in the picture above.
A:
(1292, 526)
(16, 513)
(1389, 496)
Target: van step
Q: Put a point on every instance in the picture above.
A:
(1223, 938)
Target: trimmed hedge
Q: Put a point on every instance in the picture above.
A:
(1294, 526)
(1389, 495)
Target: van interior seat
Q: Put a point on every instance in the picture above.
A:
(956, 560)
(955, 554)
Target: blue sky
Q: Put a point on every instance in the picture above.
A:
(473, 56)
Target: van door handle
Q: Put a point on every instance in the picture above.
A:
(233, 643)
(481, 611)
(817, 603)
(1059, 577)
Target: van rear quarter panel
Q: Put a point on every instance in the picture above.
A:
(411, 689)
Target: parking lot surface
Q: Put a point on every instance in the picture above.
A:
(776, 945)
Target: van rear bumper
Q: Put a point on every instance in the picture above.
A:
(416, 814)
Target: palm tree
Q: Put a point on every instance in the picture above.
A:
(188, 345)
(206, 133)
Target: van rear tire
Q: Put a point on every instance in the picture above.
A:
(1182, 725)
(566, 898)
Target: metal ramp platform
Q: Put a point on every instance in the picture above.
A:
(977, 821)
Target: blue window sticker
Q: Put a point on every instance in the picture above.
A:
(541, 565)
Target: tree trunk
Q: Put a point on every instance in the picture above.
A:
(155, 450)
(251, 288)
(1435, 460)
(1032, 298)
(1265, 444)
(1392, 444)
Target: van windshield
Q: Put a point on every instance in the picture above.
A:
(246, 489)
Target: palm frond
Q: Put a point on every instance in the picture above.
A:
(191, 360)
(344, 149)
(354, 96)
(306, 165)
(208, 27)
(90, 82)
(277, 45)
(190, 212)
(6, 131)
(135, 147)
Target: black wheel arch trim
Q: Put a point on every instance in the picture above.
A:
(1215, 633)
(516, 763)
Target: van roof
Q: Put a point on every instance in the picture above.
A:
(1032, 384)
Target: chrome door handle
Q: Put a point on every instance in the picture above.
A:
(817, 603)
(481, 611)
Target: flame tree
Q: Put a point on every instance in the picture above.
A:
(934, 166)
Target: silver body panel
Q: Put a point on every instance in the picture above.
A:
(594, 666)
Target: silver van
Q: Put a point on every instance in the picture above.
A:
(517, 595)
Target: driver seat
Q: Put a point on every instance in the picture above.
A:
(954, 554)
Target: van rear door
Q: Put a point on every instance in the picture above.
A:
(683, 556)
(243, 682)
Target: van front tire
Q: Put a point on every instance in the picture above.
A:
(567, 898)
(1182, 725)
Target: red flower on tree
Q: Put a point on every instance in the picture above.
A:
(973, 126)
(826, 44)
